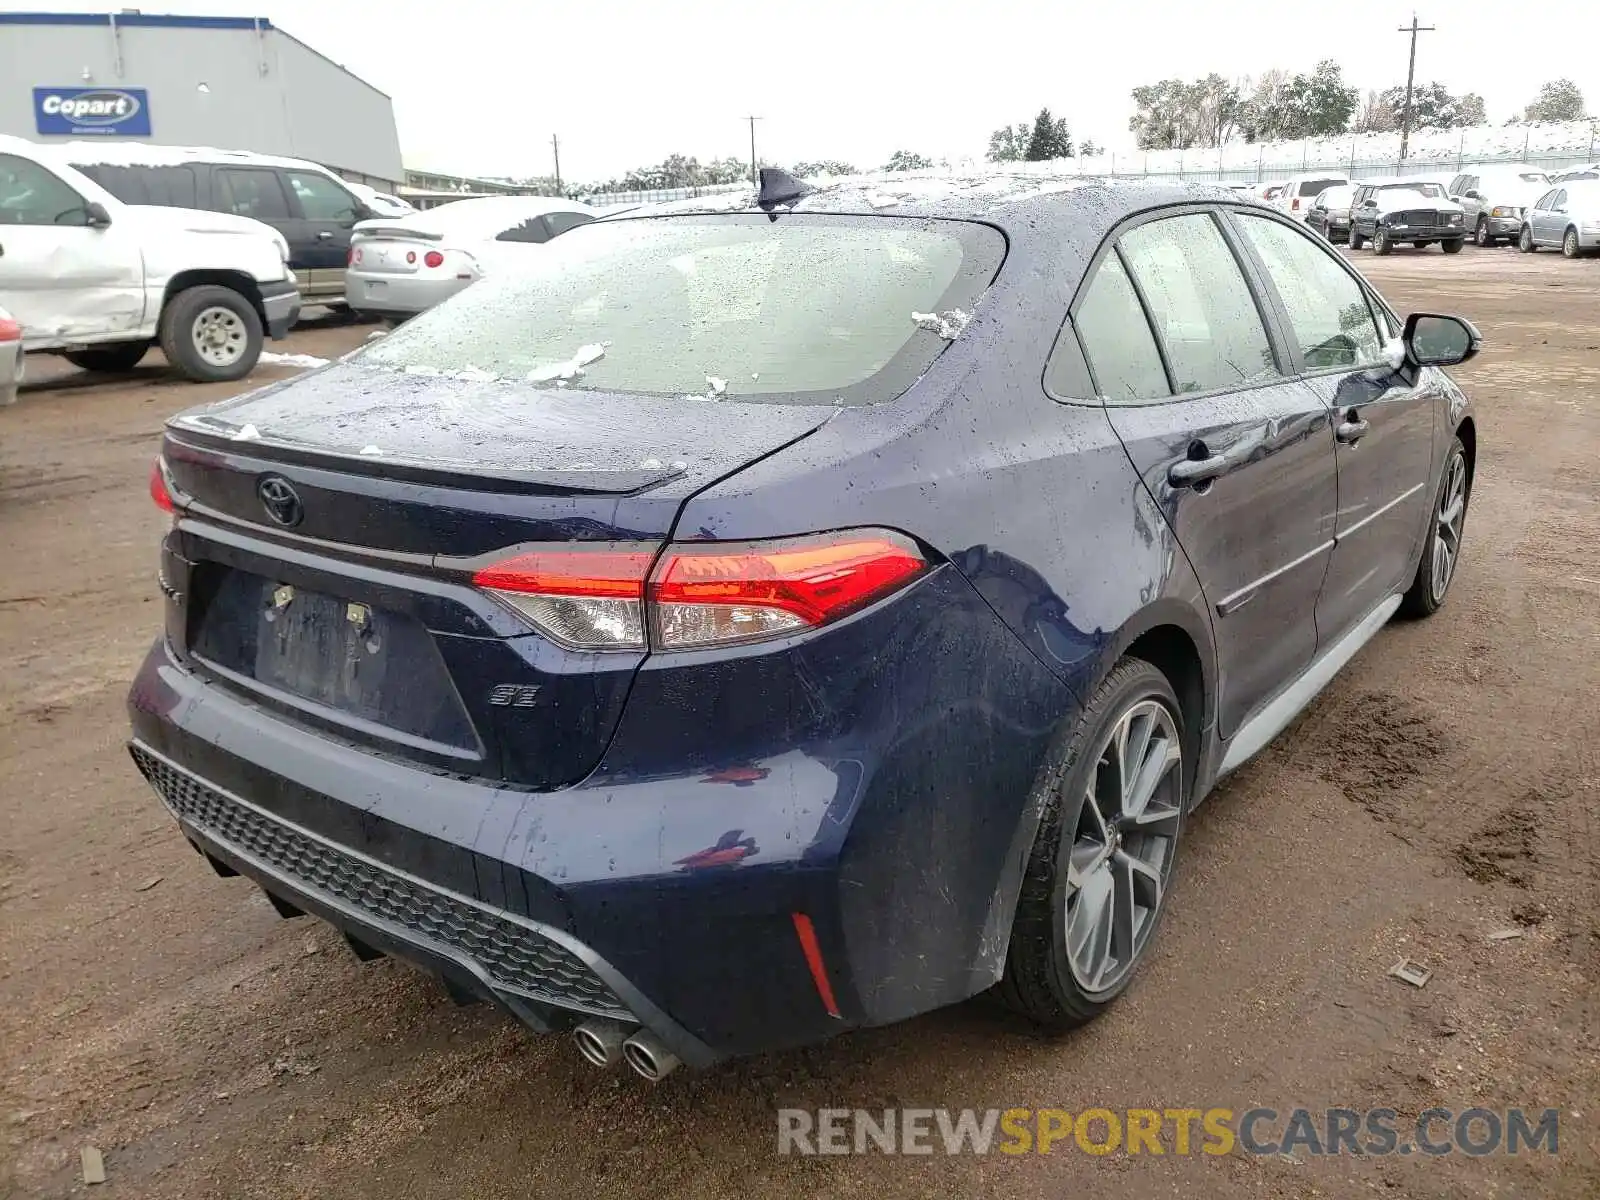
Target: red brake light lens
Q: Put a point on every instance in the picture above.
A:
(1295, 206)
(10, 331)
(708, 594)
(433, 259)
(159, 492)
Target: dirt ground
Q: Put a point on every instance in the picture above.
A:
(1443, 789)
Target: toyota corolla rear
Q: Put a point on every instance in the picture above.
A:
(445, 664)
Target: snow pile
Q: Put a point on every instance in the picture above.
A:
(947, 325)
(572, 368)
(270, 359)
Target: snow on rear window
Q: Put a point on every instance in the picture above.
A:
(809, 309)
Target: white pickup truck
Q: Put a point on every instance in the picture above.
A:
(100, 281)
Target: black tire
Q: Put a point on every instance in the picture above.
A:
(1041, 976)
(113, 359)
(1481, 235)
(1453, 246)
(1525, 240)
(1432, 581)
(1355, 240)
(1569, 245)
(1381, 245)
(181, 339)
(1420, 245)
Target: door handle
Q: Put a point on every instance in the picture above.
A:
(1351, 430)
(1194, 471)
(324, 234)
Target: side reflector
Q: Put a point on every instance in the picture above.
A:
(159, 491)
(813, 952)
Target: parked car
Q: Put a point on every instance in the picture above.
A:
(1299, 192)
(751, 688)
(1577, 174)
(1329, 214)
(1567, 216)
(1492, 199)
(11, 358)
(314, 209)
(1386, 212)
(405, 266)
(382, 204)
(99, 281)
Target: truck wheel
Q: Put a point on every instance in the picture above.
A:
(1381, 244)
(1481, 234)
(113, 359)
(211, 334)
(1355, 240)
(1453, 246)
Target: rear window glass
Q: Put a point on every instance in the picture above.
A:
(802, 309)
(172, 187)
(1312, 187)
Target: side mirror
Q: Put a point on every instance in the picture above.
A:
(1474, 194)
(95, 215)
(1369, 204)
(1437, 340)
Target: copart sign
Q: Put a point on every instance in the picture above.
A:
(92, 112)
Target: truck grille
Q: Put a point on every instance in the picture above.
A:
(512, 956)
(1421, 217)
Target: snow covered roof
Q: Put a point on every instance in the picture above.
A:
(104, 151)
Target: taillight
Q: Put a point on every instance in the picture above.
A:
(607, 597)
(1294, 205)
(433, 259)
(10, 331)
(411, 257)
(159, 491)
(353, 257)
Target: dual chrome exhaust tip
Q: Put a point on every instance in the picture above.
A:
(606, 1043)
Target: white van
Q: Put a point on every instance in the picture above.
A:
(1299, 193)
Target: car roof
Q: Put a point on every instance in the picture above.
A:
(104, 152)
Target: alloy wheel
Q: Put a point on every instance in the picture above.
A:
(1447, 525)
(1569, 244)
(219, 336)
(1123, 846)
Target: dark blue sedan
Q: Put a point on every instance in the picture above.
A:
(759, 623)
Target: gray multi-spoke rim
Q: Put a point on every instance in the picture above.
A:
(219, 336)
(1122, 846)
(1452, 513)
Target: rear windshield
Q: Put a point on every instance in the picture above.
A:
(802, 309)
(1313, 187)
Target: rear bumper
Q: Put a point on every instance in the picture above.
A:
(1427, 233)
(845, 782)
(399, 295)
(281, 303)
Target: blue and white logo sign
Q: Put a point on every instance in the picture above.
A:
(92, 112)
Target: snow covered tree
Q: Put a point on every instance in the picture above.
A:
(1089, 148)
(823, 166)
(1301, 106)
(1558, 100)
(906, 160)
(1375, 114)
(1009, 143)
(1434, 107)
(1050, 139)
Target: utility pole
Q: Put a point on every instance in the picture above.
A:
(755, 175)
(555, 148)
(1411, 75)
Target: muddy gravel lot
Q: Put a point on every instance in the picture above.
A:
(1444, 789)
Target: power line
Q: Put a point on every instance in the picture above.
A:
(1411, 75)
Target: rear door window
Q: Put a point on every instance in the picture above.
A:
(1117, 340)
(169, 186)
(252, 192)
(809, 308)
(1203, 311)
(530, 229)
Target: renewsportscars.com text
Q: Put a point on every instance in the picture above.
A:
(1175, 1131)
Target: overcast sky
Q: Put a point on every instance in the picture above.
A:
(479, 87)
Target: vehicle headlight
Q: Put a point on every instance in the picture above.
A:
(1457, 219)
(1505, 211)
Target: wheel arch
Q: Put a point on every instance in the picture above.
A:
(1176, 640)
(1467, 431)
(237, 281)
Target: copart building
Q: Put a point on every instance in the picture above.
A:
(237, 83)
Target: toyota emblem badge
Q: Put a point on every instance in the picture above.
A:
(280, 500)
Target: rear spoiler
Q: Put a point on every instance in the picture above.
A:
(377, 229)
